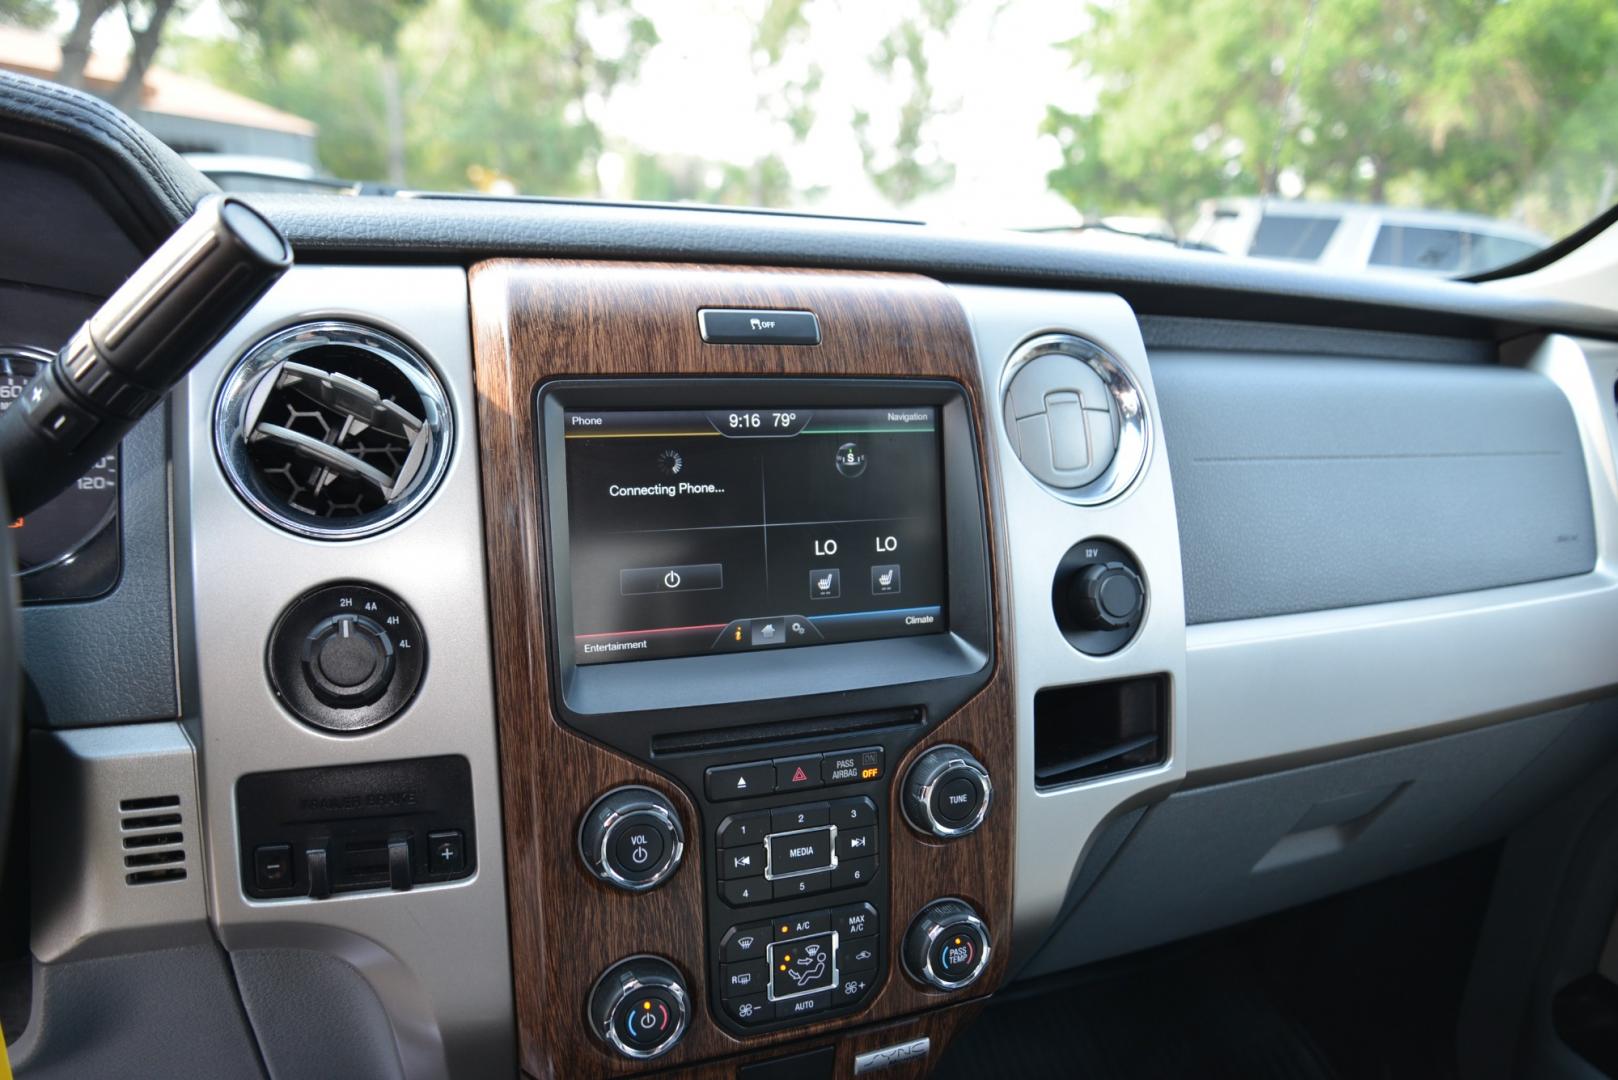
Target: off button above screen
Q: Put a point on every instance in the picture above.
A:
(647, 580)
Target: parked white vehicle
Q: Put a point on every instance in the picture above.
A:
(1352, 236)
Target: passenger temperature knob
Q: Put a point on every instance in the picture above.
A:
(947, 946)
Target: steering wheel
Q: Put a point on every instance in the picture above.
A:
(10, 676)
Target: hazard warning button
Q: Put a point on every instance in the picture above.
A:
(795, 773)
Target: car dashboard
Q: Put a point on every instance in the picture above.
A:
(582, 640)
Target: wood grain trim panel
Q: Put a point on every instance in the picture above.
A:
(534, 320)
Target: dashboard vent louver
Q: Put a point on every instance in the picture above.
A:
(153, 841)
(333, 430)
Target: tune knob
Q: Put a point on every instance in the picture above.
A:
(1106, 596)
(348, 660)
(639, 1007)
(947, 792)
(631, 838)
(947, 946)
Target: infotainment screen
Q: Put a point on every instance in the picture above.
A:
(747, 530)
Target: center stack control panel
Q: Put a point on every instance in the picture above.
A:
(798, 925)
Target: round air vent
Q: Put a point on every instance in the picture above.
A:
(1075, 418)
(333, 430)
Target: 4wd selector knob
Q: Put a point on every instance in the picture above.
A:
(348, 660)
(631, 838)
(947, 946)
(1106, 596)
(346, 657)
(947, 792)
(640, 1007)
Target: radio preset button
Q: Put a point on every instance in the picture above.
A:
(854, 872)
(740, 830)
(853, 813)
(805, 816)
(803, 885)
(745, 891)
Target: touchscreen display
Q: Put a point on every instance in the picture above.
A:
(746, 530)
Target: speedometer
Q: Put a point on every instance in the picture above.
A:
(56, 531)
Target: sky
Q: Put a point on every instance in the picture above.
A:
(698, 92)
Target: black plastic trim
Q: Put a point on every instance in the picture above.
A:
(330, 228)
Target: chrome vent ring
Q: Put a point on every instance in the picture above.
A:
(333, 430)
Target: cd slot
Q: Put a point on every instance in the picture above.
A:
(737, 737)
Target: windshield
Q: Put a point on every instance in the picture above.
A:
(1439, 137)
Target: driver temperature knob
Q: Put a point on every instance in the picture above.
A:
(631, 838)
(640, 1007)
(947, 946)
(348, 660)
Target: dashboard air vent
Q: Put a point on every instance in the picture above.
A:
(333, 430)
(153, 841)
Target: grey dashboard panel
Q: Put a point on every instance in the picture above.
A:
(1307, 484)
(436, 957)
(1264, 843)
(1057, 826)
(1315, 684)
(173, 1010)
(315, 1015)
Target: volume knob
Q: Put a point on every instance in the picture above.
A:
(631, 838)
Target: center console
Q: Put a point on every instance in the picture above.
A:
(748, 677)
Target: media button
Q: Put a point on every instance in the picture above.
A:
(695, 577)
(799, 852)
(825, 584)
(885, 580)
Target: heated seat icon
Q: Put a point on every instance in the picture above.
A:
(825, 584)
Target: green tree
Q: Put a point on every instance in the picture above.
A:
(34, 14)
(487, 90)
(907, 165)
(1501, 108)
